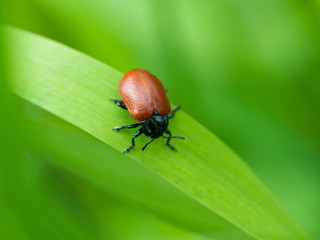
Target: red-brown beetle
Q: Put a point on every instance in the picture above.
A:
(144, 96)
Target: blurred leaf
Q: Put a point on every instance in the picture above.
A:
(76, 88)
(112, 215)
(24, 212)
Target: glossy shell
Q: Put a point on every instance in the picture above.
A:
(143, 93)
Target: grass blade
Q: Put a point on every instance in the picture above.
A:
(76, 88)
(85, 156)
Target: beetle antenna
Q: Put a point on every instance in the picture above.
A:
(147, 144)
(175, 137)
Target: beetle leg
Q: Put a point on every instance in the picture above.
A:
(147, 144)
(139, 132)
(168, 140)
(120, 103)
(127, 126)
(166, 89)
(174, 112)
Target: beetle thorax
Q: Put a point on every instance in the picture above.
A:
(155, 126)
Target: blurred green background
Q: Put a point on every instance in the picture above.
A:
(247, 70)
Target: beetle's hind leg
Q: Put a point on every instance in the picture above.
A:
(127, 126)
(138, 133)
(120, 103)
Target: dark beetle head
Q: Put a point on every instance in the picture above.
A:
(155, 126)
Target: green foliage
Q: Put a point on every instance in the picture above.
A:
(246, 70)
(75, 87)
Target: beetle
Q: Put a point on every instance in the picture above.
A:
(144, 96)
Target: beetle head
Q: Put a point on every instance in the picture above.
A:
(155, 126)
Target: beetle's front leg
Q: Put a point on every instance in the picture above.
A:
(138, 133)
(126, 126)
(168, 140)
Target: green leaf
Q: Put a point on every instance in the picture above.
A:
(76, 88)
(85, 156)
